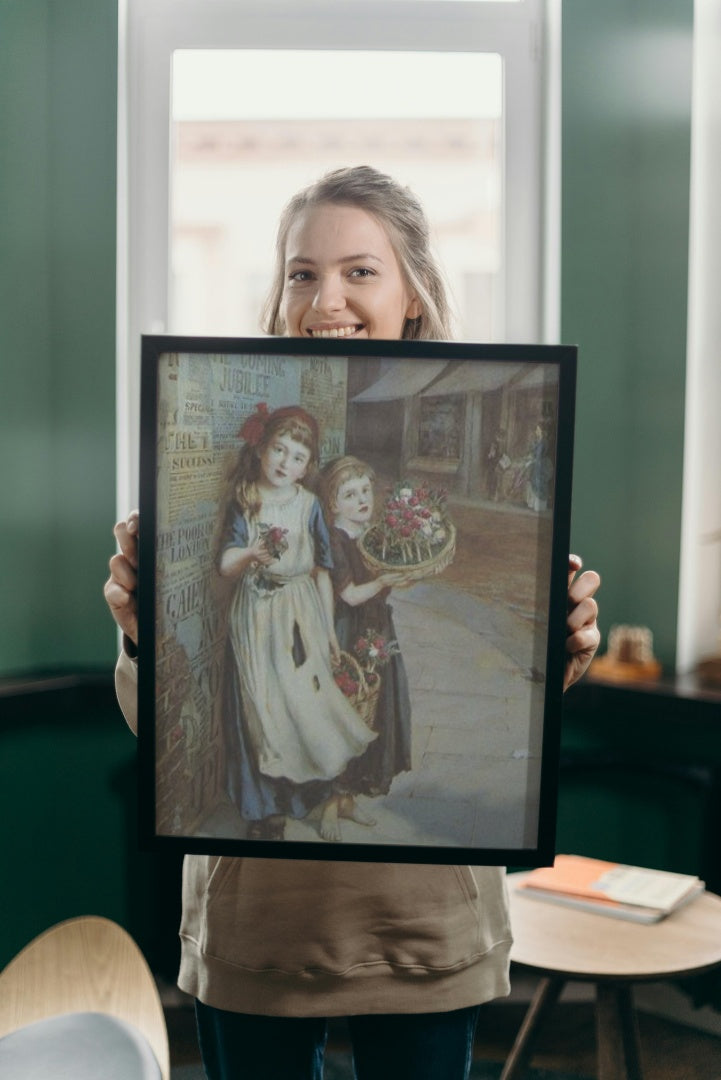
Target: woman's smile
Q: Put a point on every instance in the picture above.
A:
(334, 331)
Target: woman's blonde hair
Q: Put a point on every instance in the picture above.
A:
(402, 216)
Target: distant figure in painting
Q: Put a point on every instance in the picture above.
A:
(540, 474)
(289, 729)
(364, 624)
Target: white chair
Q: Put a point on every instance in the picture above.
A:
(80, 1002)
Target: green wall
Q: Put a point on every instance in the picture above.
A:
(58, 73)
(626, 146)
(626, 136)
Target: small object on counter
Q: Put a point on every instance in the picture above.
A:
(629, 657)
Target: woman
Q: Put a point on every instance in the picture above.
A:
(271, 948)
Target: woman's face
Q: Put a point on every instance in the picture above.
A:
(342, 277)
(283, 462)
(354, 500)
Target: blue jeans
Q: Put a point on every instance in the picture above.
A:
(404, 1046)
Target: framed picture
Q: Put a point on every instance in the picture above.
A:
(352, 597)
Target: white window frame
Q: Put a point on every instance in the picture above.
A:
(699, 598)
(525, 34)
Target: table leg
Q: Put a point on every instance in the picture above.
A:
(617, 1033)
(545, 997)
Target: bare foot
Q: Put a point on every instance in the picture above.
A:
(350, 809)
(329, 824)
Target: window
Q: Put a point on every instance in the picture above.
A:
(237, 156)
(225, 96)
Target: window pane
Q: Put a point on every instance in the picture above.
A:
(252, 127)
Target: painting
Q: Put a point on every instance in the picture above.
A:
(352, 597)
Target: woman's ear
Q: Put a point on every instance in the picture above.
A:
(415, 309)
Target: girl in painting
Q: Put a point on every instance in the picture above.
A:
(289, 729)
(361, 604)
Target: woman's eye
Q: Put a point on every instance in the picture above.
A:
(300, 276)
(362, 272)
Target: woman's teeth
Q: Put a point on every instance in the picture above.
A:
(337, 331)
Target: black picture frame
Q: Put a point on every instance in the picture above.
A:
(481, 641)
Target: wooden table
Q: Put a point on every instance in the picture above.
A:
(563, 944)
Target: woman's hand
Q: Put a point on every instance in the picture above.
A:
(583, 635)
(121, 587)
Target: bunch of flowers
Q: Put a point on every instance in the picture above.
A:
(413, 526)
(274, 538)
(374, 651)
(357, 676)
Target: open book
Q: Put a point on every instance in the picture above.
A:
(608, 888)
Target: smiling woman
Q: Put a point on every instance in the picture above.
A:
(332, 290)
(353, 259)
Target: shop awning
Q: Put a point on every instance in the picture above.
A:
(403, 380)
(470, 378)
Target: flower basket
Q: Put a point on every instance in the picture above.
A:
(414, 571)
(362, 688)
(413, 536)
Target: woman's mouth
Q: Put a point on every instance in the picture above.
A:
(334, 331)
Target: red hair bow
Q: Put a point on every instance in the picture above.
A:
(253, 427)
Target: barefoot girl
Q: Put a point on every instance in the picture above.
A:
(361, 604)
(289, 728)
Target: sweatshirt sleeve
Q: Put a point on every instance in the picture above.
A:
(126, 688)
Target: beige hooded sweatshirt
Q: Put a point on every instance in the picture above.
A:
(288, 937)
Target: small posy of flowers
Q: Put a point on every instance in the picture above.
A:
(374, 651)
(413, 526)
(275, 539)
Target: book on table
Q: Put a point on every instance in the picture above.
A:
(609, 888)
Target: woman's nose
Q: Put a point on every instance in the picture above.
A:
(329, 295)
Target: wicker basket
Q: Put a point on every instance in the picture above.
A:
(365, 700)
(414, 571)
